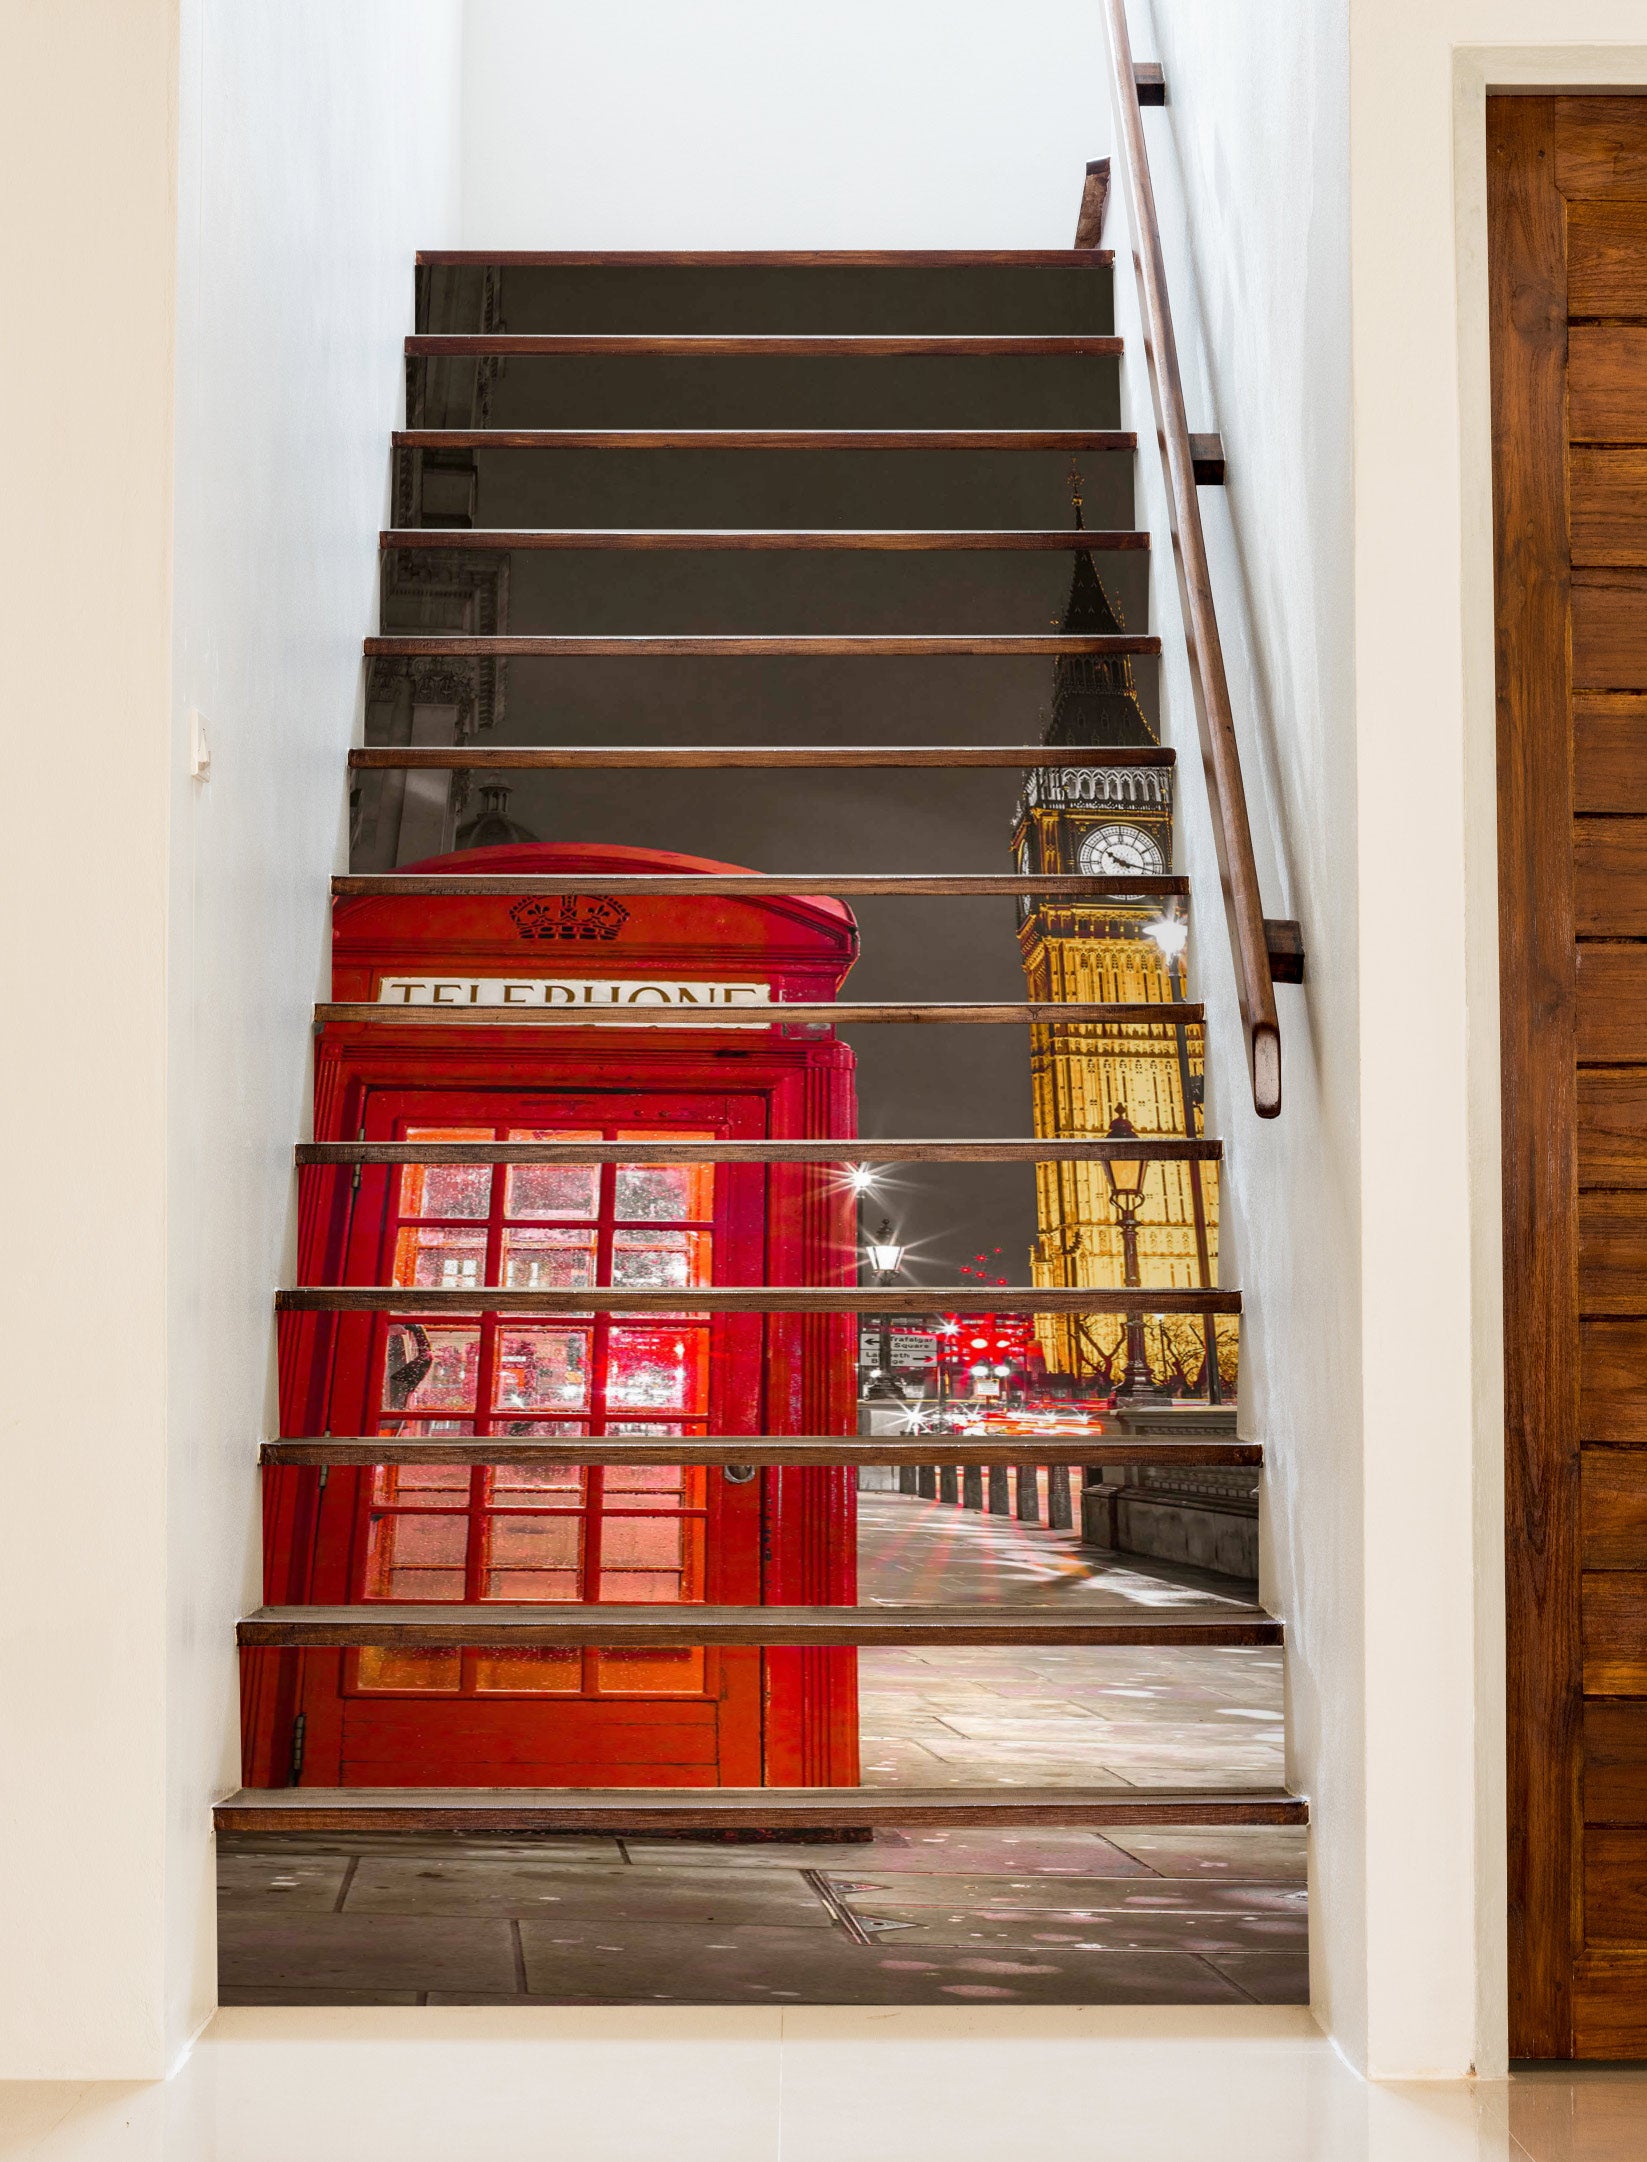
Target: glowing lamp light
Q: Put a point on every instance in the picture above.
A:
(860, 1178)
(1170, 933)
(1125, 1175)
(885, 1257)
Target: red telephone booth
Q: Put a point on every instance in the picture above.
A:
(704, 1716)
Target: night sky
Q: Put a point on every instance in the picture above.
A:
(912, 1081)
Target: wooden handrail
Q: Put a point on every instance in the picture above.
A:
(1220, 756)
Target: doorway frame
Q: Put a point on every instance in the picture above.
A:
(1481, 71)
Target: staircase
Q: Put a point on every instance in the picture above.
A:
(439, 671)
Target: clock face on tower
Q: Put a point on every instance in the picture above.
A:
(1109, 851)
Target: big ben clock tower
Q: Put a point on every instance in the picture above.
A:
(1098, 820)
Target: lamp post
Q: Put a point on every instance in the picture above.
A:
(946, 1350)
(1127, 1177)
(885, 1257)
(1171, 934)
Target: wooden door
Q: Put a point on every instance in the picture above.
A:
(1568, 278)
(392, 1717)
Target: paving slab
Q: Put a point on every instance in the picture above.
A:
(1038, 1935)
(772, 1896)
(671, 1965)
(380, 1954)
(986, 1853)
(298, 1883)
(1076, 1730)
(1256, 1850)
(958, 1763)
(545, 1846)
(1275, 1977)
(647, 1855)
(1036, 1764)
(1081, 1896)
(1052, 1849)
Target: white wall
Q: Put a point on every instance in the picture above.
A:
(1430, 1078)
(318, 152)
(744, 124)
(85, 373)
(1251, 174)
(216, 268)
(1323, 166)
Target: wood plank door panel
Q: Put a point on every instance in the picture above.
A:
(1613, 1483)
(1610, 877)
(1609, 503)
(1610, 615)
(1607, 382)
(1609, 751)
(1615, 1762)
(1612, 1127)
(1568, 278)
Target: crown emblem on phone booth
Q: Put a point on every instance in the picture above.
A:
(571, 915)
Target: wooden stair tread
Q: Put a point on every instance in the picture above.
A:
(761, 344)
(889, 1449)
(796, 1013)
(752, 1299)
(689, 1809)
(837, 885)
(719, 1449)
(550, 1624)
(1121, 441)
(643, 645)
(699, 539)
(1092, 1150)
(575, 758)
(765, 258)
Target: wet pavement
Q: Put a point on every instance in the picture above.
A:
(1041, 1917)
(1031, 1916)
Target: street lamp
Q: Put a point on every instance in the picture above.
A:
(1171, 935)
(1170, 931)
(1127, 1177)
(885, 1257)
(947, 1350)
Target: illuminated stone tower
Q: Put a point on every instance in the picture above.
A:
(1096, 819)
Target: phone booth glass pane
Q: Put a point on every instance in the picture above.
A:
(567, 1533)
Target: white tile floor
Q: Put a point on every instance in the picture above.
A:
(965, 2084)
